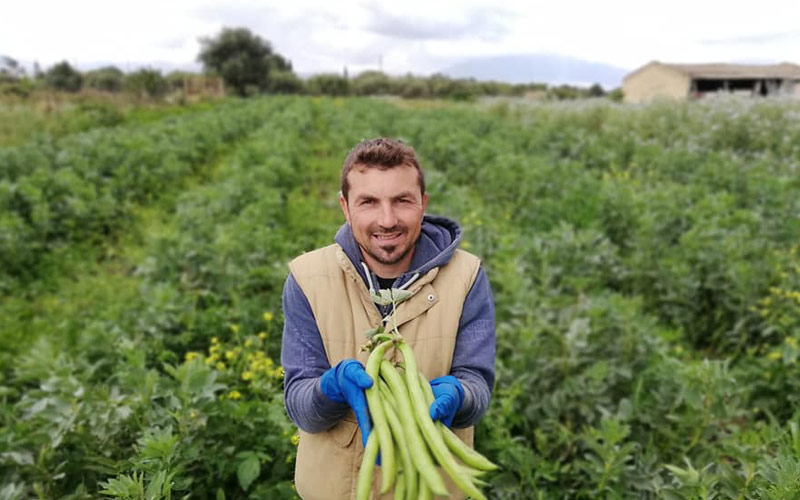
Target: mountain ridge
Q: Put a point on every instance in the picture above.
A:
(552, 69)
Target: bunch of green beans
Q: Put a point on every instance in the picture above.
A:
(411, 444)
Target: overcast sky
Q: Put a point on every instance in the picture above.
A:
(418, 36)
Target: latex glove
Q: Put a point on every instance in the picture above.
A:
(345, 383)
(449, 396)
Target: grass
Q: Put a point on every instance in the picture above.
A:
(59, 113)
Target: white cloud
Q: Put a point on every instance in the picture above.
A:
(413, 35)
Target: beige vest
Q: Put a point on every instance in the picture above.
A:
(328, 462)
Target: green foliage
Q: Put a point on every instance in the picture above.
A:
(328, 84)
(244, 60)
(63, 76)
(146, 82)
(285, 82)
(371, 83)
(108, 78)
(81, 188)
(643, 260)
(10, 70)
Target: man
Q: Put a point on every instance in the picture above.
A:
(387, 242)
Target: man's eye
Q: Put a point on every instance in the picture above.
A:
(367, 202)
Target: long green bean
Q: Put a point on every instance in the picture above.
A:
(380, 425)
(432, 436)
(364, 483)
(410, 472)
(418, 450)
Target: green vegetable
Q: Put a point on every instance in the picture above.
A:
(380, 425)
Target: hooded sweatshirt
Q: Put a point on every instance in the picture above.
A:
(303, 354)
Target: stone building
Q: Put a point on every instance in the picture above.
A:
(680, 81)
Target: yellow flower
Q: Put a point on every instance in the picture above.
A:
(192, 355)
(295, 439)
(193, 413)
(248, 375)
(214, 340)
(235, 328)
(268, 316)
(774, 355)
(262, 335)
(235, 395)
(229, 355)
(220, 366)
(248, 343)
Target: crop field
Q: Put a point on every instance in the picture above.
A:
(645, 264)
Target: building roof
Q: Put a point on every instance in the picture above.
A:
(724, 70)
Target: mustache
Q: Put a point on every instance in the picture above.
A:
(387, 230)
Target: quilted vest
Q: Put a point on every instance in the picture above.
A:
(328, 462)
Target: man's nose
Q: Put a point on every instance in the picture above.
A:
(387, 218)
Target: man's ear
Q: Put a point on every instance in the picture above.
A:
(345, 210)
(424, 202)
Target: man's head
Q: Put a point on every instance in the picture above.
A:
(383, 154)
(383, 198)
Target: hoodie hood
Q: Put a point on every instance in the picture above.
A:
(437, 242)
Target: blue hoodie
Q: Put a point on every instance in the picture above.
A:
(303, 355)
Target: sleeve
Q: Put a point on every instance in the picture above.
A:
(304, 361)
(474, 354)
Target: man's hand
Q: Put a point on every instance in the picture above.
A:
(449, 396)
(345, 383)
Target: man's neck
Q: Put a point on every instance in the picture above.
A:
(384, 283)
(388, 270)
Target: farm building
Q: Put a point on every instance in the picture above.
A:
(681, 81)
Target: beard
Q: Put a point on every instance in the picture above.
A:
(387, 254)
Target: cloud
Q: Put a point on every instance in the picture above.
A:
(762, 38)
(236, 15)
(484, 23)
(172, 43)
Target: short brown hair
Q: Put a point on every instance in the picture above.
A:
(381, 153)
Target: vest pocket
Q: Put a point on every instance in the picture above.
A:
(343, 433)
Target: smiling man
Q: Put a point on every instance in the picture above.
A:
(386, 242)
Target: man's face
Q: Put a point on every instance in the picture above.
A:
(385, 209)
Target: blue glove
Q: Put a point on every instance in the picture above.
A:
(345, 383)
(449, 395)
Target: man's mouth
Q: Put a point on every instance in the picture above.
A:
(387, 237)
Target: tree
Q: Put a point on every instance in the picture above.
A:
(285, 82)
(108, 78)
(243, 60)
(10, 70)
(13, 78)
(596, 90)
(371, 83)
(328, 84)
(146, 82)
(62, 76)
